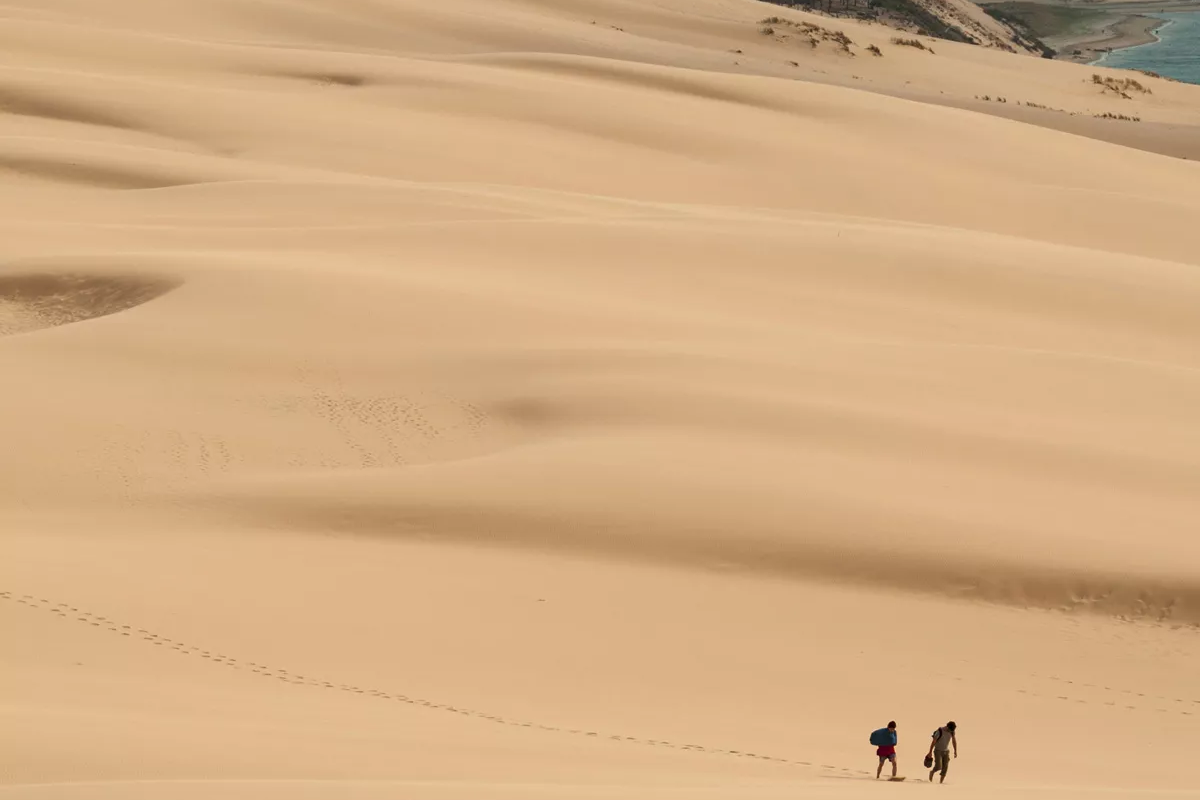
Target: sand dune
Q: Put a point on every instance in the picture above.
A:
(559, 399)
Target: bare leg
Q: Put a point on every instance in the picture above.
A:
(879, 771)
(893, 766)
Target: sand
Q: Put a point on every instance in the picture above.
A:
(517, 400)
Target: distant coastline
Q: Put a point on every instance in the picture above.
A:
(1152, 34)
(1174, 54)
(1087, 34)
(1134, 30)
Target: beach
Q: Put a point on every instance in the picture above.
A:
(1085, 33)
(550, 400)
(1112, 34)
(1173, 54)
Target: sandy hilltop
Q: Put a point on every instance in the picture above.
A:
(563, 400)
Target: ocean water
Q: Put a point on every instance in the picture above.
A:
(1176, 54)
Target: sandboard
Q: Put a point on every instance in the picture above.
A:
(896, 778)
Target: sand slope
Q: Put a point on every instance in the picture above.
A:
(555, 399)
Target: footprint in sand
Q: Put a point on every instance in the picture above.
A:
(283, 675)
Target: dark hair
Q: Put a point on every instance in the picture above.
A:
(892, 724)
(951, 725)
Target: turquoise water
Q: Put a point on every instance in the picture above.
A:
(1176, 54)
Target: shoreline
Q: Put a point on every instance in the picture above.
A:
(1155, 39)
(1133, 30)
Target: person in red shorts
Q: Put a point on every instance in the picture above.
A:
(887, 752)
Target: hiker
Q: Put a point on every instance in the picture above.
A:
(939, 750)
(886, 739)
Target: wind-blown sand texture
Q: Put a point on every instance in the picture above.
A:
(545, 399)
